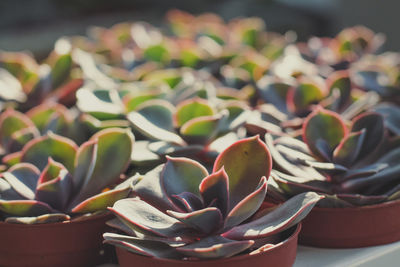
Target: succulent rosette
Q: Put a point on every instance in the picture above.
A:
(52, 179)
(353, 162)
(182, 212)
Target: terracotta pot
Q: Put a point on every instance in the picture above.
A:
(284, 254)
(352, 227)
(76, 243)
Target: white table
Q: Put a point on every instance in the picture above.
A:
(378, 256)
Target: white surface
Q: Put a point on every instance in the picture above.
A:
(378, 256)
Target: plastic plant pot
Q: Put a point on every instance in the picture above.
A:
(75, 243)
(352, 227)
(283, 254)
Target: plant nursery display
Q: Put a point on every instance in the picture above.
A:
(165, 140)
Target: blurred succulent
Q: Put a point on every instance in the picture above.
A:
(183, 212)
(24, 82)
(53, 177)
(353, 163)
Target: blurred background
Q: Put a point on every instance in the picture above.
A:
(35, 24)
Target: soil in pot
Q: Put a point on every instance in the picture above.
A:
(282, 255)
(352, 227)
(72, 244)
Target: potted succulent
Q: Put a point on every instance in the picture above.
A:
(184, 216)
(354, 164)
(53, 198)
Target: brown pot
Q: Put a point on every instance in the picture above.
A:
(352, 227)
(75, 243)
(282, 255)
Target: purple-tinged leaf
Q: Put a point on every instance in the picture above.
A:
(332, 201)
(23, 178)
(190, 109)
(150, 130)
(101, 201)
(274, 92)
(326, 167)
(187, 201)
(57, 191)
(222, 143)
(85, 161)
(114, 149)
(148, 218)
(46, 218)
(384, 177)
(323, 125)
(59, 148)
(121, 226)
(363, 171)
(374, 131)
(215, 188)
(365, 102)
(362, 200)
(164, 148)
(245, 162)
(323, 149)
(41, 115)
(293, 155)
(22, 137)
(391, 158)
(214, 247)
(283, 217)
(7, 192)
(150, 248)
(391, 115)
(151, 190)
(142, 155)
(349, 148)
(24, 207)
(205, 220)
(248, 206)
(158, 112)
(182, 175)
(294, 185)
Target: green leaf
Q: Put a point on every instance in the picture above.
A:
(59, 148)
(301, 97)
(326, 126)
(61, 70)
(101, 201)
(46, 218)
(157, 53)
(349, 148)
(340, 80)
(159, 112)
(202, 129)
(191, 109)
(12, 121)
(24, 207)
(182, 175)
(245, 162)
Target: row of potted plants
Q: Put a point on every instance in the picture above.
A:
(166, 141)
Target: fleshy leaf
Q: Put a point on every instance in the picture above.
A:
(150, 248)
(205, 220)
(46, 218)
(23, 178)
(24, 207)
(215, 247)
(301, 97)
(215, 187)
(391, 114)
(283, 217)
(7, 192)
(148, 218)
(325, 125)
(113, 155)
(158, 112)
(12, 121)
(349, 148)
(57, 191)
(245, 162)
(374, 131)
(101, 201)
(182, 175)
(50, 172)
(191, 109)
(150, 130)
(340, 80)
(202, 129)
(248, 206)
(187, 201)
(59, 148)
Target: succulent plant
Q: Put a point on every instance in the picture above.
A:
(354, 163)
(52, 177)
(25, 83)
(181, 211)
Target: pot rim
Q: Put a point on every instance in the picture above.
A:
(226, 260)
(385, 204)
(58, 224)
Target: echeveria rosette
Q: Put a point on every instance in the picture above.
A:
(55, 178)
(181, 211)
(351, 162)
(194, 128)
